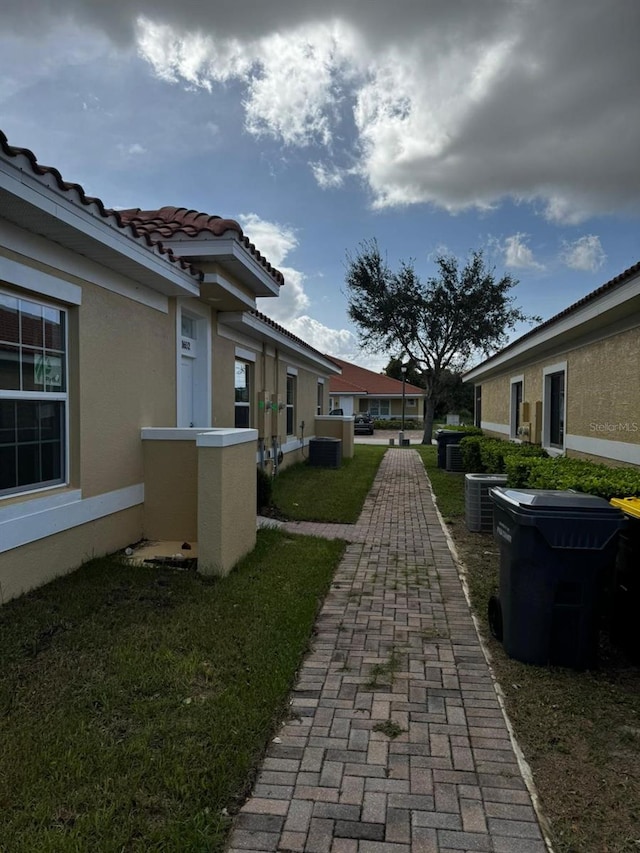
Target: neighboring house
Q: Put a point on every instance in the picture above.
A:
(359, 390)
(139, 385)
(572, 384)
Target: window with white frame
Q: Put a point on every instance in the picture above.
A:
(378, 408)
(517, 390)
(554, 406)
(320, 398)
(33, 394)
(242, 393)
(291, 404)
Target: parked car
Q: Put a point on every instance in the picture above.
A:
(363, 425)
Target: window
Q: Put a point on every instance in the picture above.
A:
(477, 417)
(554, 406)
(320, 400)
(243, 393)
(33, 395)
(291, 404)
(378, 408)
(517, 385)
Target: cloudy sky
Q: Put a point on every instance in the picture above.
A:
(511, 126)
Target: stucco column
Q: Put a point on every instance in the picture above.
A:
(226, 498)
(337, 426)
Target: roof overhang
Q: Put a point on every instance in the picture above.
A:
(257, 329)
(36, 204)
(617, 306)
(233, 255)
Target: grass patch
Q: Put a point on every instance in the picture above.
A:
(580, 731)
(305, 493)
(448, 486)
(389, 728)
(136, 703)
(382, 674)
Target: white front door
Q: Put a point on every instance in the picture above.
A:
(187, 414)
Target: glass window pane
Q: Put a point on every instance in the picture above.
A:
(7, 422)
(188, 327)
(9, 367)
(53, 329)
(7, 467)
(31, 324)
(242, 417)
(32, 370)
(242, 381)
(28, 464)
(289, 421)
(51, 455)
(9, 325)
(290, 390)
(27, 422)
(50, 420)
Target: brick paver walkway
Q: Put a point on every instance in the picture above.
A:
(396, 653)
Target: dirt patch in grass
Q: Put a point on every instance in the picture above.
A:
(579, 731)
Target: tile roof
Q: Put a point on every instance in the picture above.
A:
(612, 284)
(290, 335)
(359, 380)
(76, 194)
(169, 223)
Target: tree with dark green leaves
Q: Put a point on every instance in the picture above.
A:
(437, 325)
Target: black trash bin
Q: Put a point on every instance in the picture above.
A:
(624, 616)
(557, 551)
(445, 437)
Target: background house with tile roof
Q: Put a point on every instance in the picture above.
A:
(571, 384)
(139, 385)
(357, 390)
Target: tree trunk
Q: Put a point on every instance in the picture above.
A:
(428, 420)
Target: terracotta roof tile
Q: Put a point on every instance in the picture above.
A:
(288, 334)
(77, 194)
(359, 380)
(170, 222)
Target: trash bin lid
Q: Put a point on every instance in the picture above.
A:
(549, 500)
(630, 506)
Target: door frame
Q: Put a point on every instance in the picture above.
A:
(202, 390)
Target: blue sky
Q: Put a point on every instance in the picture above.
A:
(511, 126)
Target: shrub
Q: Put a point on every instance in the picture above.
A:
(581, 475)
(397, 424)
(264, 490)
(483, 455)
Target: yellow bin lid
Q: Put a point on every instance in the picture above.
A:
(629, 505)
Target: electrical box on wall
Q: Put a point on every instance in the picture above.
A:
(277, 406)
(524, 431)
(264, 414)
(536, 423)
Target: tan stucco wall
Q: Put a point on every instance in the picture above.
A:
(226, 506)
(127, 364)
(602, 390)
(337, 427)
(223, 380)
(495, 400)
(170, 489)
(37, 563)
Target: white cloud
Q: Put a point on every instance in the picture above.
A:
(584, 254)
(327, 176)
(518, 255)
(459, 105)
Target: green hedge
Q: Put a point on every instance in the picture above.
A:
(482, 455)
(397, 424)
(528, 466)
(578, 474)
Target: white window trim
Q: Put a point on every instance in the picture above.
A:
(245, 355)
(250, 382)
(293, 373)
(62, 396)
(512, 413)
(560, 367)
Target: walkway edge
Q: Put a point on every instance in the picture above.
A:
(523, 764)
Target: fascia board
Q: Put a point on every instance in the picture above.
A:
(254, 327)
(597, 308)
(95, 227)
(229, 249)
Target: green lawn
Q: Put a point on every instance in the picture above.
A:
(136, 703)
(448, 486)
(307, 493)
